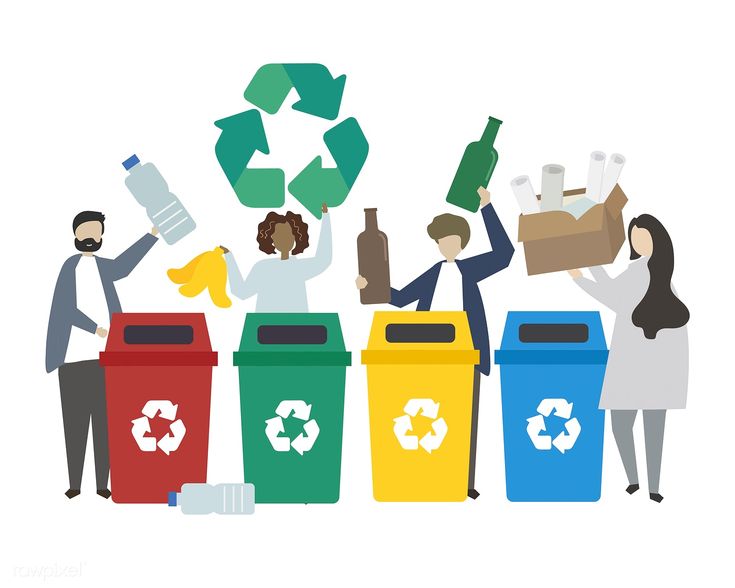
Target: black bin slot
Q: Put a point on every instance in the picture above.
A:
(419, 333)
(158, 335)
(549, 333)
(292, 334)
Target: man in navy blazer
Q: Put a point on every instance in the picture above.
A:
(452, 285)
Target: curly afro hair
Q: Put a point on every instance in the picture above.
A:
(268, 226)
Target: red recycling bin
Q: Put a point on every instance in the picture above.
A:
(158, 374)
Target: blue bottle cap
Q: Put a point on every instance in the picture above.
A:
(171, 495)
(131, 161)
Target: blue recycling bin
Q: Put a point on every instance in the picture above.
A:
(552, 365)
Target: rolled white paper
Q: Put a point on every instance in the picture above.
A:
(552, 187)
(612, 175)
(525, 194)
(594, 175)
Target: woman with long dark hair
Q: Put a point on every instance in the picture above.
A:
(648, 365)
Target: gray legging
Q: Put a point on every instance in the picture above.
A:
(653, 430)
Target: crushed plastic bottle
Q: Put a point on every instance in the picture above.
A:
(221, 498)
(164, 209)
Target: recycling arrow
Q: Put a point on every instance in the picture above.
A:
(430, 442)
(401, 427)
(141, 426)
(273, 427)
(535, 426)
(242, 135)
(166, 407)
(561, 407)
(427, 406)
(166, 410)
(300, 409)
(320, 94)
(316, 184)
(169, 443)
(564, 442)
(305, 443)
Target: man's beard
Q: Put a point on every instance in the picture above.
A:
(87, 245)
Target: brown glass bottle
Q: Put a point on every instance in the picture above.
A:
(372, 261)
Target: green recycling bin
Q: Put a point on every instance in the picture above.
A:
(292, 389)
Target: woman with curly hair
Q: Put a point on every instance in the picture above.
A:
(280, 283)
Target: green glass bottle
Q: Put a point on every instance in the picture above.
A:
(475, 169)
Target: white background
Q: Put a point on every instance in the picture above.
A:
(85, 86)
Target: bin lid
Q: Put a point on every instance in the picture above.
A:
(420, 337)
(538, 337)
(292, 339)
(170, 339)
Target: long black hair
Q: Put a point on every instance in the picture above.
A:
(660, 308)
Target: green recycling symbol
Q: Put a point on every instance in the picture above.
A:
(243, 134)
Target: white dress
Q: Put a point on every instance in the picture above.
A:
(641, 373)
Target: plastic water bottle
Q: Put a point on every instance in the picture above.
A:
(222, 498)
(164, 209)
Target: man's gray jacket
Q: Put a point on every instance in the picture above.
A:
(64, 311)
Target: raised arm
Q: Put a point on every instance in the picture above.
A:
(601, 276)
(241, 288)
(313, 266)
(602, 288)
(123, 264)
(484, 265)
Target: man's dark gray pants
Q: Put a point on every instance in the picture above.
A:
(83, 399)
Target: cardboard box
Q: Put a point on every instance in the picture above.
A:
(556, 241)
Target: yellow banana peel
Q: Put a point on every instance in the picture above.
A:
(206, 271)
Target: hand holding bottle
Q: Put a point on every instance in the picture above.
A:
(476, 167)
(484, 196)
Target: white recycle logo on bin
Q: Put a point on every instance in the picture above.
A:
(403, 424)
(142, 425)
(536, 424)
(274, 426)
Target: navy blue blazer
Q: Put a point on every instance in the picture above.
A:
(473, 270)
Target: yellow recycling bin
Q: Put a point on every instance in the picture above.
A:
(420, 372)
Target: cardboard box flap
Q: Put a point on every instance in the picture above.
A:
(558, 223)
(616, 201)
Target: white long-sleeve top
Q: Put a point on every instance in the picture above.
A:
(641, 373)
(280, 284)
